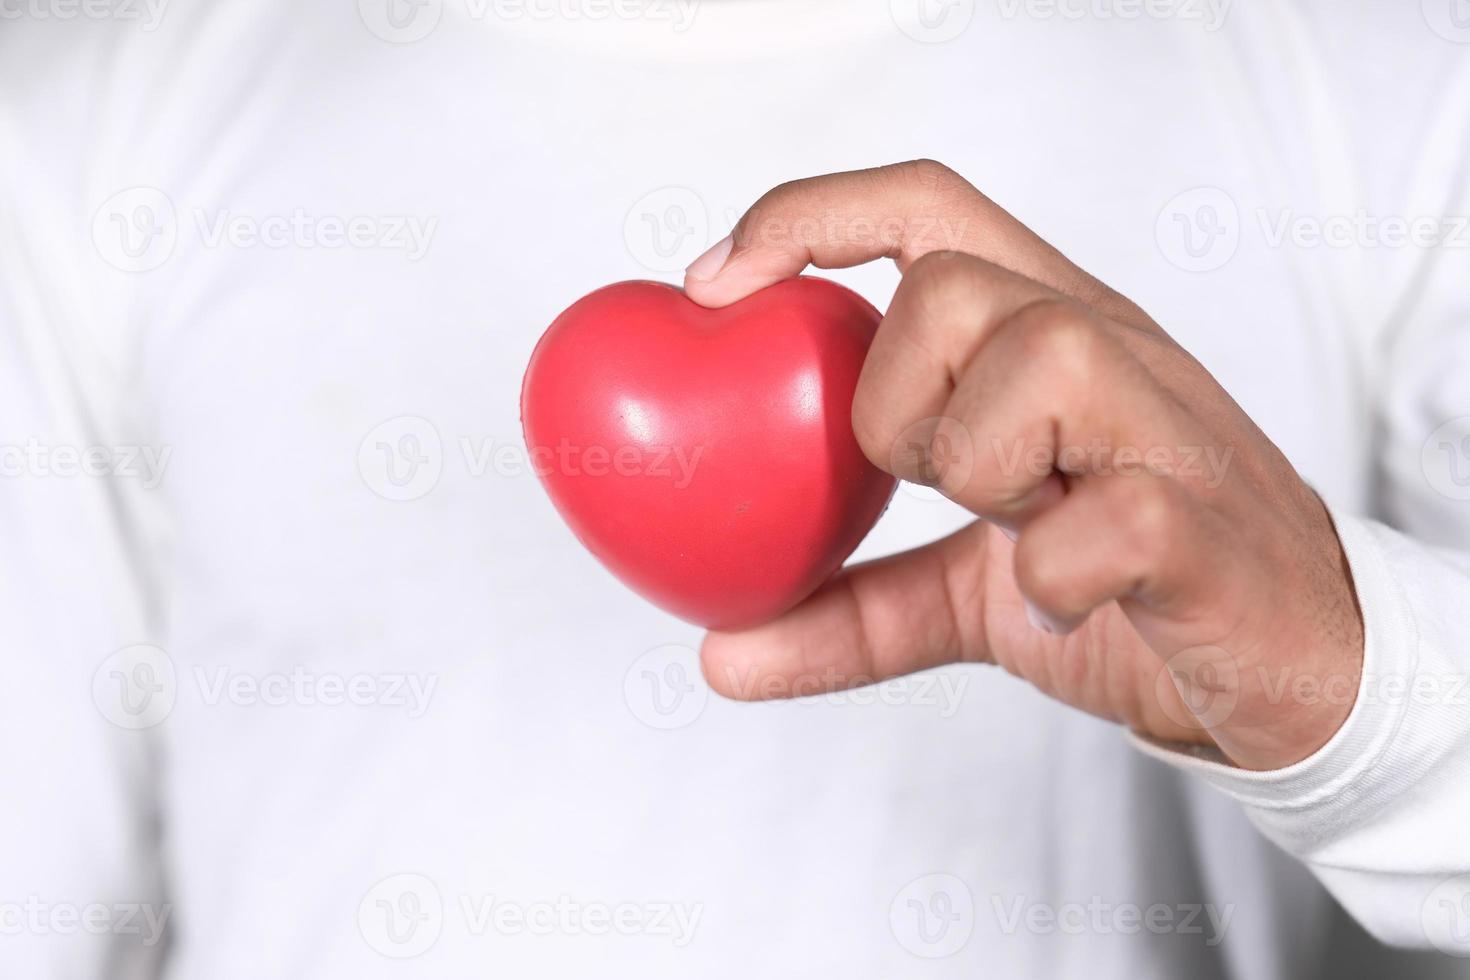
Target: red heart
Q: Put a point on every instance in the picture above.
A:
(706, 457)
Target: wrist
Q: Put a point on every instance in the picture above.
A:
(1291, 707)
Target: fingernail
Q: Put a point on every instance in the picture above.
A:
(708, 265)
(1042, 621)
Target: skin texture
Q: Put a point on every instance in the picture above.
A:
(1181, 577)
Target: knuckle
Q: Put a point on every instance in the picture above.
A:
(1060, 336)
(1150, 517)
(940, 279)
(930, 173)
(938, 204)
(1041, 574)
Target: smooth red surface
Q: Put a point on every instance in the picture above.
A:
(773, 493)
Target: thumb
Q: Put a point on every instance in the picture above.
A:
(877, 620)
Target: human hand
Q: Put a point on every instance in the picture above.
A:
(1146, 554)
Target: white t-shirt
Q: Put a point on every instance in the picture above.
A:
(298, 655)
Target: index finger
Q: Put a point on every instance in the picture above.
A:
(901, 211)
